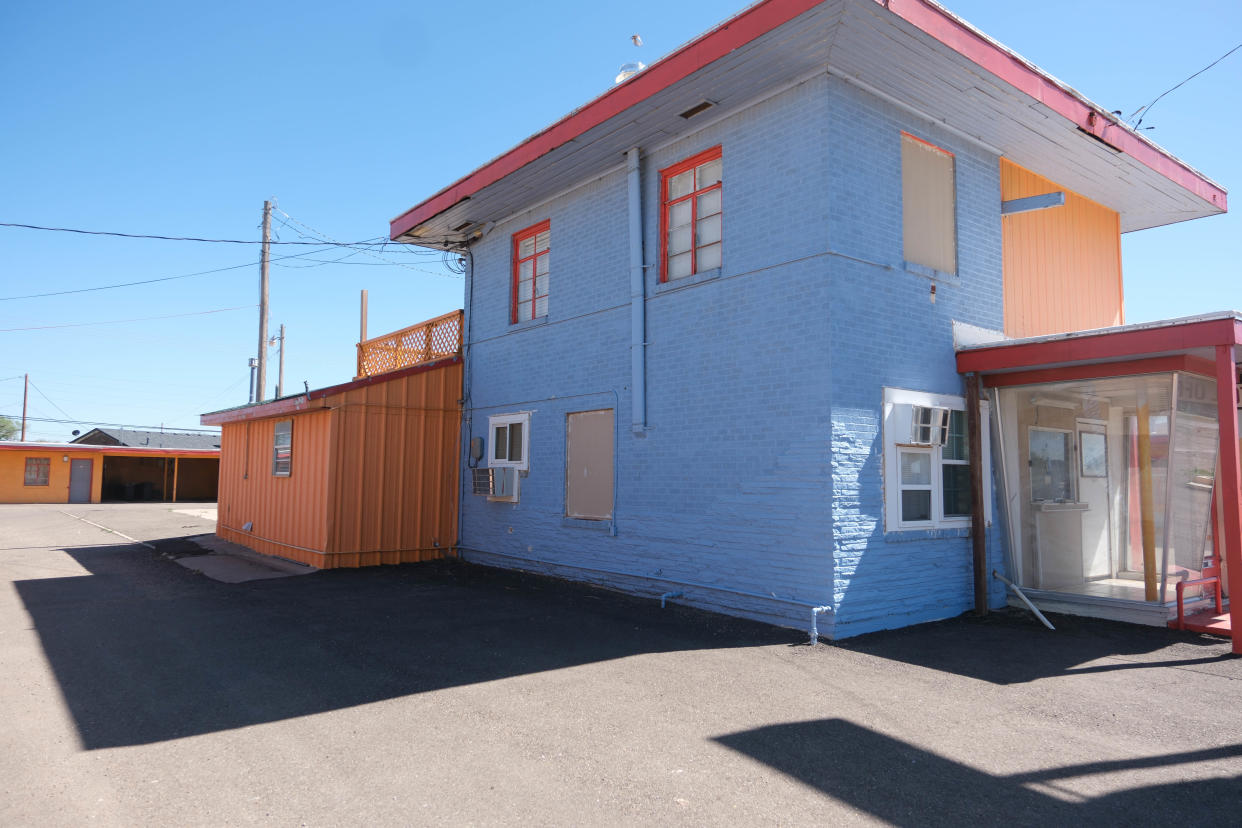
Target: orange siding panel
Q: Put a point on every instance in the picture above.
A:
(1062, 265)
(288, 514)
(396, 461)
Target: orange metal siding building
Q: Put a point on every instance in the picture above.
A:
(373, 477)
(1062, 265)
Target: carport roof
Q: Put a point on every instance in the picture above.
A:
(88, 448)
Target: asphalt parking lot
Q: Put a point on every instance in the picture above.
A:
(136, 691)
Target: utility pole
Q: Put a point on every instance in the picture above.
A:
(280, 378)
(25, 394)
(254, 366)
(261, 387)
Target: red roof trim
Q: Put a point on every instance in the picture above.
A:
(750, 24)
(1101, 347)
(293, 405)
(83, 448)
(762, 18)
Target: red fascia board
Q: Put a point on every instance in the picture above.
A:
(734, 33)
(82, 448)
(1007, 66)
(1104, 346)
(303, 402)
(1102, 370)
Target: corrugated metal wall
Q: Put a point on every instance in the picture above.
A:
(289, 514)
(1062, 265)
(396, 465)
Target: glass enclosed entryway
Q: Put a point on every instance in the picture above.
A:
(1108, 483)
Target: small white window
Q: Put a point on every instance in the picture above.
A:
(282, 448)
(509, 441)
(927, 461)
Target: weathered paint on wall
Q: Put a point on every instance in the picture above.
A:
(1062, 265)
(13, 476)
(374, 475)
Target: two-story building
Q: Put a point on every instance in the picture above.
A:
(710, 323)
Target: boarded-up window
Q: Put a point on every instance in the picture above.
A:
(588, 465)
(928, 205)
(37, 471)
(282, 449)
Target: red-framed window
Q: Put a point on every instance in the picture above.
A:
(690, 216)
(531, 250)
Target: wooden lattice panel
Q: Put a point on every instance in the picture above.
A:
(425, 342)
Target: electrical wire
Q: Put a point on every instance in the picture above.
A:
(326, 237)
(365, 242)
(49, 400)
(161, 427)
(124, 321)
(1146, 110)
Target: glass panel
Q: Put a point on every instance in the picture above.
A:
(541, 306)
(708, 174)
(916, 504)
(541, 286)
(541, 240)
(1093, 450)
(1050, 465)
(679, 214)
(707, 230)
(915, 468)
(956, 479)
(526, 247)
(957, 446)
(500, 443)
(1192, 472)
(515, 442)
(709, 203)
(708, 257)
(541, 264)
(679, 240)
(523, 311)
(524, 270)
(679, 266)
(680, 185)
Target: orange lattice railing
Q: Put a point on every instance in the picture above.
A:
(427, 341)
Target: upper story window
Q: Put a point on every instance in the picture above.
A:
(282, 448)
(690, 215)
(928, 205)
(38, 470)
(531, 249)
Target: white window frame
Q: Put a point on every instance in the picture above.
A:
(895, 444)
(496, 421)
(276, 429)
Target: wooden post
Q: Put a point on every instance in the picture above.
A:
(1147, 498)
(25, 395)
(263, 283)
(174, 488)
(978, 520)
(1231, 484)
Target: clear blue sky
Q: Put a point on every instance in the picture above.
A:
(174, 119)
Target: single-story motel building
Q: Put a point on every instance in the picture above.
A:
(84, 473)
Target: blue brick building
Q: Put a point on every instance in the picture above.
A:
(708, 313)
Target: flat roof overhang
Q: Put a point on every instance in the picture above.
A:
(84, 448)
(1187, 343)
(913, 52)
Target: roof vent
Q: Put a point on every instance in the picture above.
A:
(629, 70)
(697, 108)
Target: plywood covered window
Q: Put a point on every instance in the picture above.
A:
(282, 448)
(691, 214)
(928, 205)
(38, 471)
(589, 450)
(532, 249)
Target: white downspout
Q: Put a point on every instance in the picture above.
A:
(638, 300)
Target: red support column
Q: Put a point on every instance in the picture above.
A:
(1231, 483)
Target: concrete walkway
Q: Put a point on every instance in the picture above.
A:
(137, 692)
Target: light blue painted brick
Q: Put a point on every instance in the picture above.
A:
(760, 470)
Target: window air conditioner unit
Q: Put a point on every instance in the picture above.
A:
(500, 483)
(925, 425)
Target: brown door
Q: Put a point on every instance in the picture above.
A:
(80, 481)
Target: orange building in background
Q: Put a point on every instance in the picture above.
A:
(359, 474)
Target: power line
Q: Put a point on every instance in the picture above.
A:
(161, 427)
(46, 397)
(326, 237)
(363, 243)
(123, 321)
(1146, 110)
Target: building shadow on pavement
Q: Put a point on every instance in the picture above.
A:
(905, 785)
(1011, 647)
(145, 650)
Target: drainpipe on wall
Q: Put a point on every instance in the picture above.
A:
(638, 303)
